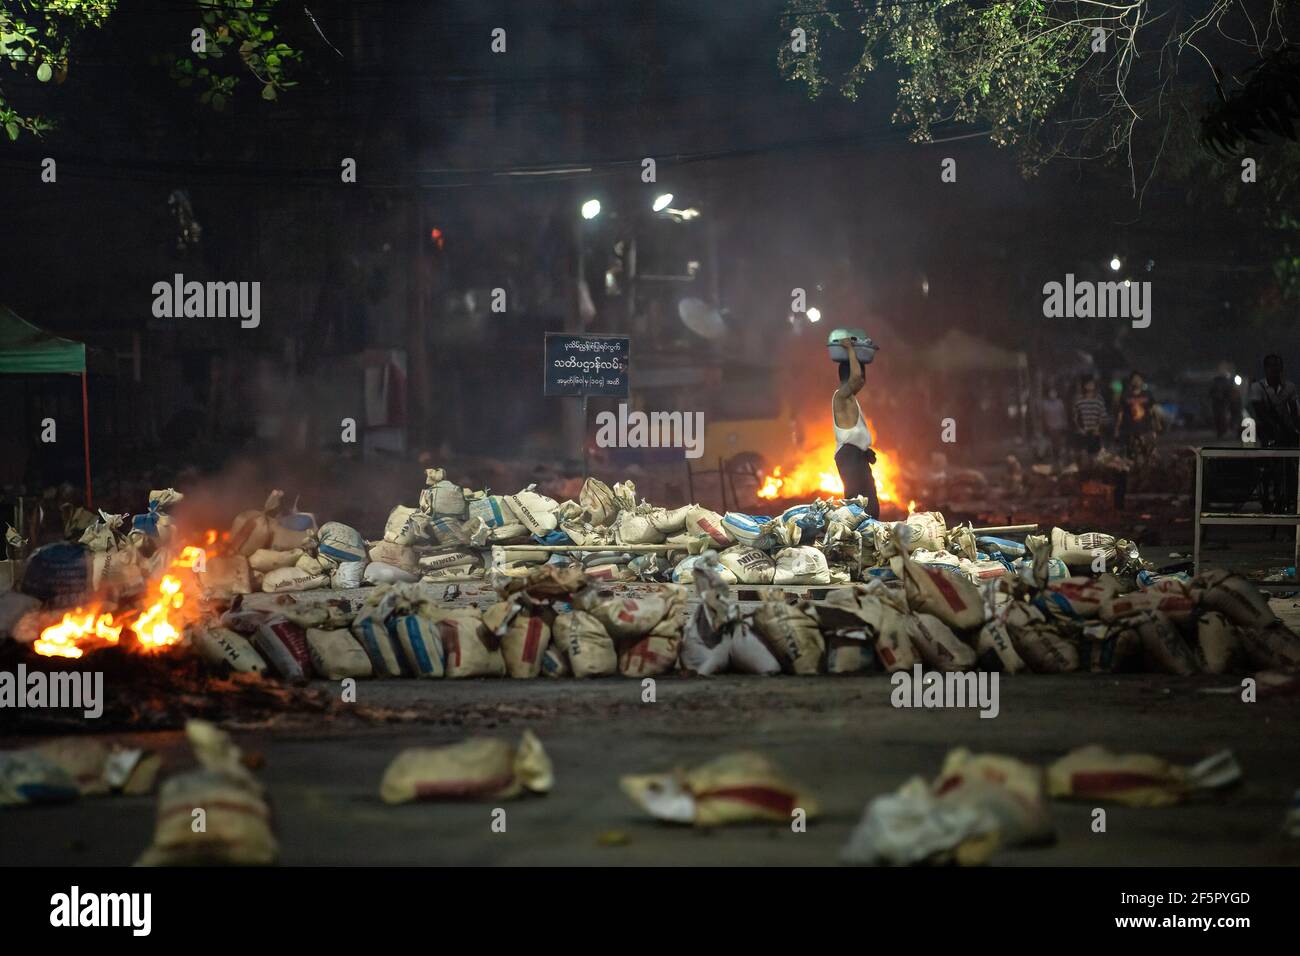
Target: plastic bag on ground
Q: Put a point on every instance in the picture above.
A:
(913, 826)
(1136, 780)
(734, 788)
(480, 768)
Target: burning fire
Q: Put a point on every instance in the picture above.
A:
(158, 626)
(815, 474)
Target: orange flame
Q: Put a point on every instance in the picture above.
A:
(815, 474)
(65, 638)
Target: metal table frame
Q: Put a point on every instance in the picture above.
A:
(1204, 518)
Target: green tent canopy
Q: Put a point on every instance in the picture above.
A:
(28, 350)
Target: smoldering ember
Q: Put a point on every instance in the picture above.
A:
(541, 434)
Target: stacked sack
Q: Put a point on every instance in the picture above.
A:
(280, 548)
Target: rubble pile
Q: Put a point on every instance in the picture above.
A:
(599, 586)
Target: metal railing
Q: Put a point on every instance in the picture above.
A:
(1206, 518)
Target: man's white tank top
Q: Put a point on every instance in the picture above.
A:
(859, 435)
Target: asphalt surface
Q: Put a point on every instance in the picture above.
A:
(839, 736)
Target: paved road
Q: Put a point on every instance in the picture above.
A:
(837, 735)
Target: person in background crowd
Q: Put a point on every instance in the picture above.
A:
(1089, 414)
(1223, 398)
(1276, 409)
(1138, 422)
(1055, 423)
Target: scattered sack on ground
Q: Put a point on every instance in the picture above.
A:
(912, 826)
(535, 512)
(336, 654)
(220, 645)
(587, 647)
(1235, 598)
(1012, 791)
(953, 599)
(1136, 780)
(480, 768)
(734, 788)
(237, 821)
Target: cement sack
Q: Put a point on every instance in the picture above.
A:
(481, 768)
(420, 643)
(597, 501)
(586, 645)
(734, 788)
(326, 615)
(702, 521)
(370, 628)
(656, 652)
(264, 559)
(348, 575)
(894, 647)
(221, 646)
(555, 662)
(850, 651)
(801, 565)
(1163, 648)
(633, 528)
(1235, 598)
(341, 543)
(441, 497)
(1038, 643)
(451, 575)
(1081, 598)
(450, 558)
(953, 599)
(237, 823)
(912, 826)
(1095, 774)
(1179, 608)
(28, 777)
(1057, 570)
(1274, 646)
(284, 646)
(995, 651)
(291, 579)
(493, 510)
(1110, 649)
(377, 572)
(406, 526)
(536, 512)
(310, 564)
(1218, 645)
(625, 495)
(938, 646)
(684, 571)
(630, 617)
(747, 529)
(524, 634)
(289, 539)
(450, 532)
(336, 654)
(748, 565)
(669, 521)
(254, 529)
(1081, 550)
(791, 633)
(925, 529)
(470, 649)
(1012, 791)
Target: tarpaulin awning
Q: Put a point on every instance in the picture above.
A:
(28, 350)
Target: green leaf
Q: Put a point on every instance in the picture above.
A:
(268, 92)
(12, 129)
(44, 72)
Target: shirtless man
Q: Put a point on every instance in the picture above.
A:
(853, 454)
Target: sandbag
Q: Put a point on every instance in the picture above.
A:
(284, 646)
(1081, 597)
(341, 543)
(289, 539)
(951, 598)
(995, 651)
(1137, 780)
(1218, 644)
(850, 651)
(253, 530)
(222, 646)
(1179, 608)
(669, 521)
(535, 512)
(1012, 791)
(470, 649)
(938, 646)
(479, 768)
(335, 654)
(749, 565)
(597, 501)
(226, 576)
(442, 497)
(493, 511)
(791, 634)
(1038, 643)
(312, 565)
(1163, 648)
(524, 641)
(291, 579)
(1273, 646)
(1081, 550)
(264, 559)
(349, 574)
(1111, 649)
(734, 788)
(1234, 597)
(801, 565)
(587, 646)
(702, 521)
(450, 558)
(370, 628)
(418, 640)
(377, 572)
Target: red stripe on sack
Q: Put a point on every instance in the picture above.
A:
(532, 639)
(945, 586)
(434, 789)
(778, 801)
(450, 642)
(1087, 782)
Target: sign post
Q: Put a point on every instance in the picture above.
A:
(586, 365)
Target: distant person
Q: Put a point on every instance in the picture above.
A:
(853, 454)
(1221, 403)
(1276, 410)
(1055, 422)
(1138, 421)
(1089, 416)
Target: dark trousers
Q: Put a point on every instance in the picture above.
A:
(854, 465)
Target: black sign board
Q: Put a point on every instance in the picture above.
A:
(586, 364)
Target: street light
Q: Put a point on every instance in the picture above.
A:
(814, 314)
(1115, 264)
(591, 209)
(662, 201)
